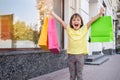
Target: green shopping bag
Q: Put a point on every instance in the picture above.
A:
(102, 30)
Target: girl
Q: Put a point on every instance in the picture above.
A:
(77, 43)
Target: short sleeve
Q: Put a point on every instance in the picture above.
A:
(84, 28)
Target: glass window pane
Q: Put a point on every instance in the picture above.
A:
(18, 24)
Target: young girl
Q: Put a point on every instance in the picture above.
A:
(77, 43)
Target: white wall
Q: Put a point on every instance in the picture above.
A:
(84, 10)
(66, 18)
(96, 46)
(93, 10)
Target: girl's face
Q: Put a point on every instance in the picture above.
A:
(76, 22)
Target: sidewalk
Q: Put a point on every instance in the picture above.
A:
(109, 70)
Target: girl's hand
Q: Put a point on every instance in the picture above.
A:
(58, 19)
(101, 10)
(96, 17)
(52, 13)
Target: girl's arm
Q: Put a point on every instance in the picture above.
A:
(95, 18)
(59, 20)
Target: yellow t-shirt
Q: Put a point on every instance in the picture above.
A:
(77, 42)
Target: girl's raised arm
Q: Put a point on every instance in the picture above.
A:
(96, 17)
(59, 20)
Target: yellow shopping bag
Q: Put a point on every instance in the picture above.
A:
(43, 39)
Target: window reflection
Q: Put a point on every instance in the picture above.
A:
(18, 24)
(21, 20)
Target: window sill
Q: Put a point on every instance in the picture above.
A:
(18, 51)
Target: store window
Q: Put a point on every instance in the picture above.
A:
(19, 25)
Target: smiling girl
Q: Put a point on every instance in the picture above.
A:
(77, 43)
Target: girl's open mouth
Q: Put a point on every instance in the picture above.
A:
(76, 25)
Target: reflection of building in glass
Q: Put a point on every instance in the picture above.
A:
(6, 25)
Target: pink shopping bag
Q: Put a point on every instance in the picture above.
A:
(52, 36)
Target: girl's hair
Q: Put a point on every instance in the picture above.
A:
(75, 15)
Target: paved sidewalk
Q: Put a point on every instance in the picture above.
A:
(109, 70)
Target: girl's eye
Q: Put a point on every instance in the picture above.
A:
(78, 20)
(73, 19)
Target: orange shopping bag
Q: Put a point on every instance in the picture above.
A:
(43, 39)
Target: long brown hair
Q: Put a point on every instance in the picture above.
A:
(75, 15)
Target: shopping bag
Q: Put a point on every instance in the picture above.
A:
(102, 30)
(52, 36)
(43, 39)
